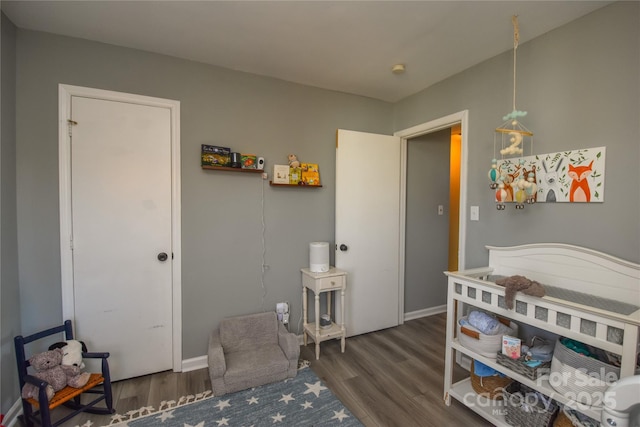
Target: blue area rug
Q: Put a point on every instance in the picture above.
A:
(300, 401)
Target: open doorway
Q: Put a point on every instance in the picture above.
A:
(433, 198)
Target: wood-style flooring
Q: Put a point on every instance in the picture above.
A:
(392, 377)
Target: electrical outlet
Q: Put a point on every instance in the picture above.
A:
(282, 310)
(265, 175)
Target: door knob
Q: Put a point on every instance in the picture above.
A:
(162, 256)
(343, 247)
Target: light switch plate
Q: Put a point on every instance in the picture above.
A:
(475, 213)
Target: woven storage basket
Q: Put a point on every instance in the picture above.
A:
(519, 366)
(489, 387)
(523, 411)
(562, 421)
(567, 418)
(485, 345)
(580, 378)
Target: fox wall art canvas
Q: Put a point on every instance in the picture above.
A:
(575, 176)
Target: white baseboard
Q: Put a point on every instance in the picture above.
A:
(11, 417)
(425, 312)
(194, 363)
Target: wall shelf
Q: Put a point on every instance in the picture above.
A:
(273, 184)
(224, 168)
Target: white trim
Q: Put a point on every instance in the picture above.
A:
(195, 363)
(11, 417)
(176, 234)
(462, 118)
(64, 182)
(425, 312)
(403, 229)
(65, 92)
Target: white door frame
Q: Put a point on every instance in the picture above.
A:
(65, 92)
(461, 118)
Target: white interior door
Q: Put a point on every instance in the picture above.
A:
(121, 195)
(368, 225)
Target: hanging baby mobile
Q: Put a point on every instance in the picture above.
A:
(510, 178)
(518, 177)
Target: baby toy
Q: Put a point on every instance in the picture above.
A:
(72, 363)
(293, 161)
(518, 283)
(48, 368)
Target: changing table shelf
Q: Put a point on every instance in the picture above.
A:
(563, 266)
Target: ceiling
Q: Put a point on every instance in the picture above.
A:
(346, 46)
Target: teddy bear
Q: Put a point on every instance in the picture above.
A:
(293, 161)
(519, 283)
(72, 363)
(47, 366)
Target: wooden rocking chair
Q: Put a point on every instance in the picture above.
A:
(40, 409)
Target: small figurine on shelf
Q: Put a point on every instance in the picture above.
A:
(293, 161)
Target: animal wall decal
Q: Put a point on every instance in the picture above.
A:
(579, 191)
(567, 176)
(550, 179)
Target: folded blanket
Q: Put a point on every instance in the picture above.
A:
(483, 322)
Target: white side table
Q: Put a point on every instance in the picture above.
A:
(333, 280)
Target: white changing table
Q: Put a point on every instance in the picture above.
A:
(565, 267)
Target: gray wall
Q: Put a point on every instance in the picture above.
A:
(581, 86)
(9, 289)
(427, 233)
(221, 211)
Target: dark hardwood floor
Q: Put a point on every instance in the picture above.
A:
(392, 377)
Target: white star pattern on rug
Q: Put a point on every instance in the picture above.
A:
(262, 406)
(223, 404)
(223, 421)
(286, 398)
(165, 415)
(315, 388)
(339, 415)
(278, 418)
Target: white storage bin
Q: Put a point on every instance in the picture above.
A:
(485, 345)
(580, 378)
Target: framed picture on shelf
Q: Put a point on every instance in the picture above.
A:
(249, 161)
(212, 155)
(281, 174)
(310, 174)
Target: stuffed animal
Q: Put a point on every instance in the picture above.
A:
(293, 161)
(47, 366)
(72, 363)
(517, 283)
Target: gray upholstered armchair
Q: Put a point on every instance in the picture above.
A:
(248, 351)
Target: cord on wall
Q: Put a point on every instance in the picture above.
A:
(264, 266)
